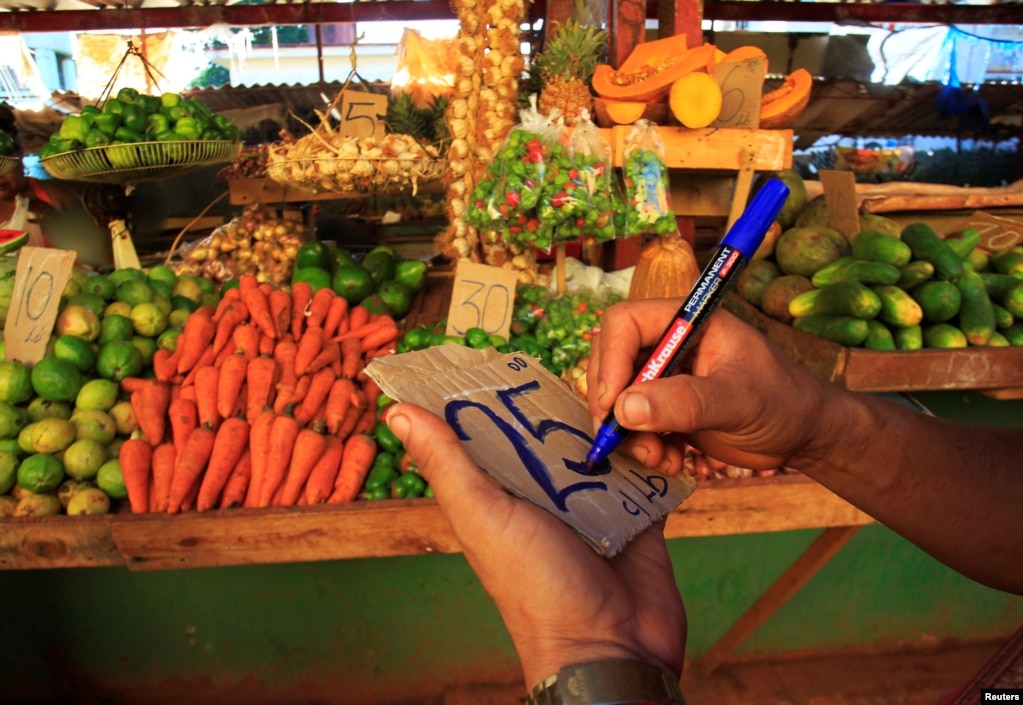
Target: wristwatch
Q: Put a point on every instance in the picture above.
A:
(608, 683)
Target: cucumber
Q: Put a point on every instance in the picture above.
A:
(976, 314)
(860, 270)
(998, 340)
(978, 259)
(926, 245)
(1010, 262)
(874, 246)
(1014, 334)
(944, 335)
(914, 274)
(1003, 319)
(879, 336)
(1012, 300)
(998, 285)
(908, 338)
(938, 299)
(897, 307)
(828, 274)
(963, 241)
(844, 298)
(844, 330)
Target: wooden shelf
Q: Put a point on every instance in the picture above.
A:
(368, 529)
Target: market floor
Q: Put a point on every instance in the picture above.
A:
(921, 677)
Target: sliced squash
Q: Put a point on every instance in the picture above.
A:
(695, 100)
(650, 53)
(780, 108)
(744, 53)
(717, 58)
(624, 112)
(652, 82)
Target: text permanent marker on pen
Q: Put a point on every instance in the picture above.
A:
(729, 259)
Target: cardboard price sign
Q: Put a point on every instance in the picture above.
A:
(361, 113)
(527, 430)
(840, 195)
(742, 86)
(996, 234)
(481, 297)
(39, 281)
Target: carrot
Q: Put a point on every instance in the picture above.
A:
(284, 354)
(320, 484)
(188, 503)
(260, 381)
(150, 405)
(238, 482)
(229, 386)
(246, 340)
(231, 440)
(207, 358)
(190, 465)
(319, 388)
(207, 382)
(358, 316)
(165, 364)
(338, 401)
(246, 283)
(136, 459)
(336, 314)
(369, 330)
(259, 311)
(356, 460)
(237, 314)
(195, 339)
(319, 305)
(280, 311)
(266, 287)
(130, 385)
(186, 392)
(380, 337)
(354, 413)
(232, 294)
(309, 346)
(184, 418)
(282, 441)
(366, 422)
(301, 295)
(307, 451)
(351, 357)
(329, 354)
(372, 391)
(300, 390)
(165, 456)
(259, 444)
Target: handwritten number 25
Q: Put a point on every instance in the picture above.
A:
(536, 468)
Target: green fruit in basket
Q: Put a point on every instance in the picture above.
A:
(353, 283)
(122, 155)
(314, 254)
(315, 276)
(75, 128)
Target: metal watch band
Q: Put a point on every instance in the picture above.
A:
(608, 683)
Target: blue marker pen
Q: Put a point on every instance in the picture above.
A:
(738, 246)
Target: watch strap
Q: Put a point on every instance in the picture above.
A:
(608, 683)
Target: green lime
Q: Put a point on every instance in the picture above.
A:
(8, 470)
(12, 420)
(11, 445)
(110, 480)
(40, 408)
(26, 442)
(15, 382)
(163, 303)
(411, 273)
(99, 285)
(189, 288)
(41, 472)
(117, 308)
(78, 352)
(79, 321)
(115, 327)
(127, 274)
(375, 305)
(146, 346)
(72, 288)
(183, 303)
(83, 458)
(123, 415)
(98, 393)
(162, 288)
(93, 302)
(353, 283)
(168, 340)
(397, 297)
(313, 254)
(148, 319)
(177, 318)
(134, 292)
(163, 274)
(317, 277)
(118, 359)
(89, 500)
(205, 284)
(50, 435)
(95, 424)
(343, 258)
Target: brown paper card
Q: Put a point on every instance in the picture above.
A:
(39, 281)
(526, 429)
(996, 234)
(840, 195)
(361, 114)
(481, 297)
(742, 85)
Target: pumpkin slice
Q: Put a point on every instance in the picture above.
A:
(652, 82)
(744, 53)
(695, 100)
(780, 107)
(717, 58)
(651, 53)
(624, 112)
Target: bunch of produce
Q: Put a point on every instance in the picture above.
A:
(131, 117)
(64, 419)
(262, 402)
(249, 164)
(380, 280)
(884, 291)
(566, 66)
(252, 243)
(645, 177)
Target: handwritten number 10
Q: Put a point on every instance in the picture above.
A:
(37, 298)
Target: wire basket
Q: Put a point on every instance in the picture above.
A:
(8, 164)
(360, 175)
(139, 161)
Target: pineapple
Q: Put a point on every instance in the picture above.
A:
(566, 66)
(404, 118)
(438, 124)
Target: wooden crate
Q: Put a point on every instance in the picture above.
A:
(998, 371)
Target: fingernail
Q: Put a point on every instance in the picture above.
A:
(399, 425)
(635, 409)
(601, 390)
(640, 453)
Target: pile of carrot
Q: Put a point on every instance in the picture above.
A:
(263, 402)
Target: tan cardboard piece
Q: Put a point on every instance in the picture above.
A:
(531, 433)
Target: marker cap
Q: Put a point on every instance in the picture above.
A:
(748, 231)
